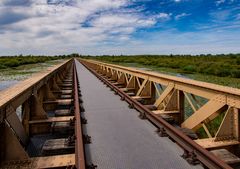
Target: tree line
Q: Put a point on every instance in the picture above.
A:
(223, 65)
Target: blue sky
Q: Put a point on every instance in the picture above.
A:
(99, 27)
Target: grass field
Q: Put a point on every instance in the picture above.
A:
(15, 61)
(21, 67)
(218, 69)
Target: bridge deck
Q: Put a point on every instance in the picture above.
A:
(119, 138)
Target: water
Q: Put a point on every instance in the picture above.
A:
(7, 83)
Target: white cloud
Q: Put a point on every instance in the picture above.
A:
(182, 15)
(175, 42)
(97, 27)
(63, 25)
(163, 16)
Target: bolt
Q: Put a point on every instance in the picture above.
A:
(91, 166)
(131, 105)
(162, 132)
(83, 120)
(87, 139)
(142, 116)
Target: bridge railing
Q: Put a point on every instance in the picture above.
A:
(29, 96)
(169, 93)
(210, 110)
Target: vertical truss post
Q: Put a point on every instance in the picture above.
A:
(181, 103)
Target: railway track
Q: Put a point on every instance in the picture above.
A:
(193, 152)
(52, 129)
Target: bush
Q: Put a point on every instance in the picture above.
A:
(235, 73)
(15, 61)
(218, 65)
(189, 69)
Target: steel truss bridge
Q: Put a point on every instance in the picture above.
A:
(66, 117)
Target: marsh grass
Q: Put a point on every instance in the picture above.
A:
(15, 61)
(24, 71)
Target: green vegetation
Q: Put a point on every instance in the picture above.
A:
(14, 61)
(219, 69)
(21, 67)
(217, 65)
(24, 71)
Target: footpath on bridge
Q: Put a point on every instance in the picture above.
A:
(121, 140)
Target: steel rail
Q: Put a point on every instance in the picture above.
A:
(181, 139)
(79, 148)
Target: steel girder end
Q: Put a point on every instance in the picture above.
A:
(91, 166)
(87, 139)
(80, 100)
(82, 108)
(157, 131)
(83, 120)
(185, 154)
(142, 116)
(131, 106)
(162, 132)
(190, 157)
(193, 159)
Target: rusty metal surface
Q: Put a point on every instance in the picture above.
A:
(79, 148)
(119, 138)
